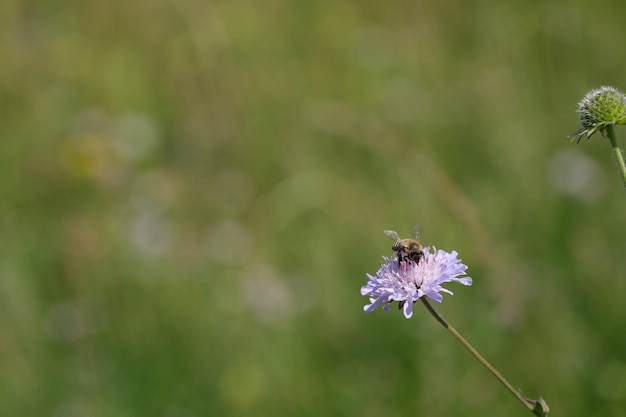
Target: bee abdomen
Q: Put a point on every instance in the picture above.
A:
(397, 247)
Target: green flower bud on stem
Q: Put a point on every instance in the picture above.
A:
(600, 108)
(598, 111)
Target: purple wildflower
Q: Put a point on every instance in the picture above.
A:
(406, 282)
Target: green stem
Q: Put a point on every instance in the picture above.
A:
(617, 151)
(538, 407)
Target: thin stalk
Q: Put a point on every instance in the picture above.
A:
(538, 407)
(618, 152)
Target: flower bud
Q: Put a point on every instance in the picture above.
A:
(600, 108)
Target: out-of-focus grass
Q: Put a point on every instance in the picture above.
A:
(192, 193)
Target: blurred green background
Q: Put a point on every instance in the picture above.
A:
(193, 192)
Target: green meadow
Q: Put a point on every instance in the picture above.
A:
(192, 193)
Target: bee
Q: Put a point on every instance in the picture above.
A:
(407, 248)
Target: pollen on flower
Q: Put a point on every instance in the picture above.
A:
(600, 108)
(405, 281)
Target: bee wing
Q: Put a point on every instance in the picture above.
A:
(417, 232)
(392, 235)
